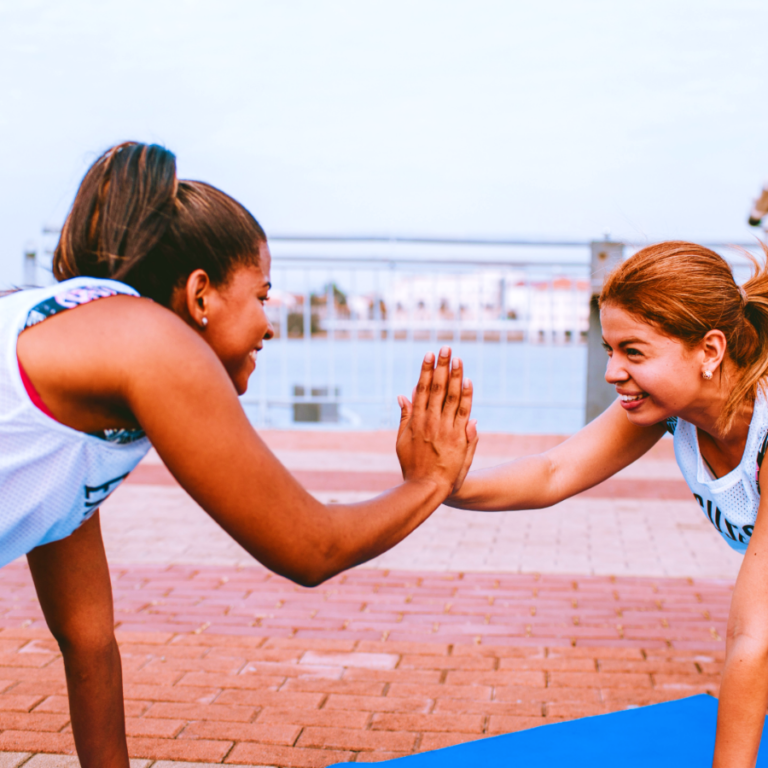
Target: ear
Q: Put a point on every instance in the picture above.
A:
(197, 293)
(714, 347)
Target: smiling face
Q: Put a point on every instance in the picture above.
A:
(656, 376)
(231, 317)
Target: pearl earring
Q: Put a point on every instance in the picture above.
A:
(204, 322)
(707, 375)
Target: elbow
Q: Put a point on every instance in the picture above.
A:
(319, 549)
(311, 571)
(310, 577)
(86, 642)
(552, 490)
(311, 580)
(746, 643)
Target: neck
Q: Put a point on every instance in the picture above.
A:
(704, 413)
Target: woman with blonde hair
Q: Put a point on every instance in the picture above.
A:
(688, 354)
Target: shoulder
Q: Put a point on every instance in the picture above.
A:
(111, 342)
(130, 319)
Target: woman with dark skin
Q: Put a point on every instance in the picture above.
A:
(174, 367)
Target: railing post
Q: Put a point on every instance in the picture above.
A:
(605, 256)
(30, 266)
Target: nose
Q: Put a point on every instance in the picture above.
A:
(615, 373)
(270, 334)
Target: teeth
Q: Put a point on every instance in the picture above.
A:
(630, 398)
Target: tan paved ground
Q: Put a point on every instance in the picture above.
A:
(587, 535)
(628, 537)
(477, 624)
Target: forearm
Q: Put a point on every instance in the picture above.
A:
(95, 688)
(316, 541)
(742, 704)
(72, 582)
(345, 535)
(526, 483)
(369, 528)
(596, 452)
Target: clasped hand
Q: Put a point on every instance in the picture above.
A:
(436, 440)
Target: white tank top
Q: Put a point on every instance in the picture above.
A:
(52, 477)
(729, 502)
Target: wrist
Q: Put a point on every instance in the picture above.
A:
(432, 487)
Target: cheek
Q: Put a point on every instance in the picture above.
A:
(673, 383)
(232, 348)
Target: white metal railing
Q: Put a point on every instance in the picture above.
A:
(353, 318)
(351, 328)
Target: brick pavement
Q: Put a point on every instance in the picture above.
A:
(241, 666)
(225, 662)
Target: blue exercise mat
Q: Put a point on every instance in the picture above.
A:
(670, 735)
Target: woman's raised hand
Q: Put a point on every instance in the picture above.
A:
(436, 440)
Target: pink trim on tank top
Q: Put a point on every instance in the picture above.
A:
(32, 392)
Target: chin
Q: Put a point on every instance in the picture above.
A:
(645, 419)
(240, 376)
(240, 382)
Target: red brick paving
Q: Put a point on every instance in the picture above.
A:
(370, 605)
(241, 666)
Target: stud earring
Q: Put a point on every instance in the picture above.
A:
(204, 322)
(707, 375)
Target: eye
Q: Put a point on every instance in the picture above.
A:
(607, 348)
(632, 352)
(263, 299)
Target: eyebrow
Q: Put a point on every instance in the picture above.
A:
(269, 286)
(627, 342)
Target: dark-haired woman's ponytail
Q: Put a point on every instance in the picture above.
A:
(120, 213)
(133, 221)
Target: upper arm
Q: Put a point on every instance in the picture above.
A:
(123, 354)
(73, 586)
(598, 451)
(185, 401)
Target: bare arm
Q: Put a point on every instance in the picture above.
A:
(744, 689)
(72, 582)
(126, 355)
(595, 453)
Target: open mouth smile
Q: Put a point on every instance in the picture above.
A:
(631, 401)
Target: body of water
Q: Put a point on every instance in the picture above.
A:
(519, 387)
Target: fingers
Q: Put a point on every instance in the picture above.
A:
(439, 383)
(453, 395)
(473, 439)
(406, 409)
(465, 405)
(424, 384)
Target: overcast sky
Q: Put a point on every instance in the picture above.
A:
(554, 118)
